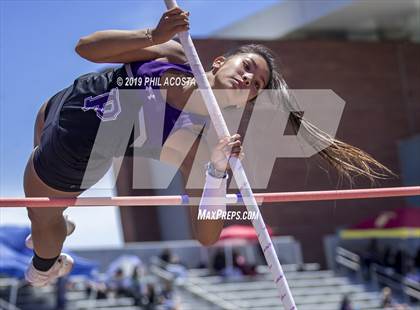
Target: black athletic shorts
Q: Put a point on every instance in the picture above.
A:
(69, 133)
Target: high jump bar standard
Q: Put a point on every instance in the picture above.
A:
(184, 200)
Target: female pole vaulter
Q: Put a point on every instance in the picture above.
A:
(65, 128)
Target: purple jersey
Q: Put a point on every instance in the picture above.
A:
(157, 118)
(76, 114)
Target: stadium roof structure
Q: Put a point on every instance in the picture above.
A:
(371, 19)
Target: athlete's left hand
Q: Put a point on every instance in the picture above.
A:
(173, 21)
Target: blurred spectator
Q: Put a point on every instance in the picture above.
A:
(219, 261)
(387, 257)
(239, 266)
(240, 263)
(168, 299)
(61, 288)
(173, 264)
(136, 285)
(168, 290)
(417, 259)
(386, 301)
(346, 303)
(220, 267)
(150, 297)
(119, 284)
(399, 262)
(177, 269)
(369, 257)
(99, 288)
(166, 255)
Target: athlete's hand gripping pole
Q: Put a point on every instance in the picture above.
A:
(238, 172)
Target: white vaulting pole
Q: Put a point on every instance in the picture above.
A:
(238, 171)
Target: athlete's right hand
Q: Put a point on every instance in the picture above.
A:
(172, 21)
(226, 148)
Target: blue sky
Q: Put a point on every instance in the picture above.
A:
(37, 59)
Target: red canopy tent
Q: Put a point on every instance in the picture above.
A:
(243, 232)
(237, 236)
(401, 223)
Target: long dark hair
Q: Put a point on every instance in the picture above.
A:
(348, 160)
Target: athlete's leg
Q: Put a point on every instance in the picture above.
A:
(48, 224)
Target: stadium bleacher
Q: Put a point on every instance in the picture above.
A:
(203, 289)
(313, 289)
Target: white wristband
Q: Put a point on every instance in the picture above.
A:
(214, 195)
(211, 169)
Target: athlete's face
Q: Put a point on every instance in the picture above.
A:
(243, 75)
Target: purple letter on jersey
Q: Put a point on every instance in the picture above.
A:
(107, 106)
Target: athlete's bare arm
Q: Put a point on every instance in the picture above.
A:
(123, 46)
(207, 232)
